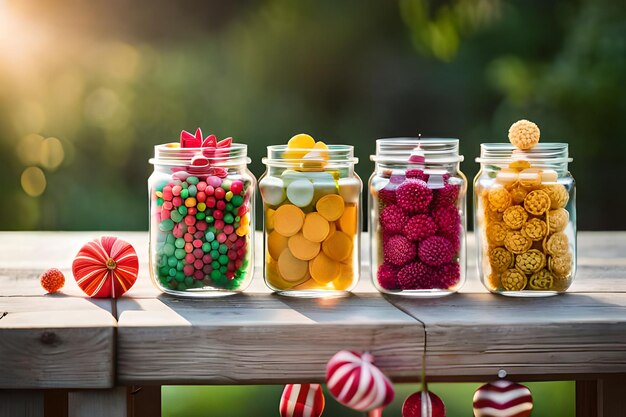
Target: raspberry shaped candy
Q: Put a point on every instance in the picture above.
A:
(436, 251)
(449, 275)
(388, 276)
(393, 219)
(52, 280)
(447, 219)
(414, 196)
(447, 195)
(387, 194)
(399, 250)
(417, 173)
(416, 276)
(530, 262)
(420, 227)
(524, 134)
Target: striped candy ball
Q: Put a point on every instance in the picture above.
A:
(502, 399)
(302, 400)
(423, 404)
(356, 382)
(106, 267)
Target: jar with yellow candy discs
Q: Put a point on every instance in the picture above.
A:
(312, 222)
(525, 215)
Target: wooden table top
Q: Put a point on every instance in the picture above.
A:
(70, 341)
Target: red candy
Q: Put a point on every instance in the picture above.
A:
(177, 201)
(221, 205)
(188, 237)
(201, 197)
(236, 187)
(197, 243)
(189, 258)
(210, 202)
(188, 247)
(176, 190)
(219, 193)
(188, 270)
(201, 186)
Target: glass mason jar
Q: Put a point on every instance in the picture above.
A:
(312, 220)
(417, 217)
(201, 221)
(525, 219)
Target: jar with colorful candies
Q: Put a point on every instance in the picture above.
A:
(201, 217)
(525, 215)
(417, 217)
(312, 222)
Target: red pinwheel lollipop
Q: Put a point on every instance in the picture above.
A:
(302, 400)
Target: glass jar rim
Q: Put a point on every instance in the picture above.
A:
(334, 154)
(547, 152)
(433, 150)
(172, 154)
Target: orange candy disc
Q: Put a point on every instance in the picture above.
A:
(303, 248)
(347, 222)
(330, 206)
(276, 244)
(288, 220)
(316, 227)
(338, 246)
(323, 269)
(291, 268)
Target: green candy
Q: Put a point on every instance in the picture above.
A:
(200, 216)
(172, 262)
(229, 207)
(223, 249)
(189, 281)
(180, 276)
(223, 259)
(168, 249)
(164, 270)
(214, 254)
(179, 253)
(223, 269)
(176, 216)
(184, 193)
(215, 275)
(180, 265)
(159, 201)
(166, 225)
(228, 218)
(172, 272)
(184, 185)
(170, 238)
(198, 284)
(215, 265)
(206, 247)
(210, 236)
(193, 180)
(237, 200)
(215, 244)
(210, 219)
(179, 243)
(192, 190)
(212, 229)
(182, 210)
(181, 287)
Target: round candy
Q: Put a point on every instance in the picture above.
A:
(272, 190)
(288, 220)
(502, 399)
(106, 267)
(524, 134)
(302, 400)
(330, 206)
(356, 382)
(302, 248)
(52, 280)
(423, 404)
(315, 228)
(300, 192)
(291, 268)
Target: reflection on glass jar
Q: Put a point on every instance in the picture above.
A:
(525, 219)
(417, 217)
(311, 204)
(201, 219)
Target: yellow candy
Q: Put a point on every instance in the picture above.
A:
(201, 206)
(499, 199)
(242, 230)
(301, 142)
(190, 202)
(346, 278)
(541, 280)
(514, 217)
(288, 220)
(516, 242)
(309, 284)
(229, 195)
(291, 268)
(513, 280)
(338, 246)
(530, 262)
(275, 280)
(323, 269)
(245, 220)
(348, 220)
(500, 259)
(276, 244)
(316, 228)
(302, 248)
(330, 206)
(558, 195)
(269, 219)
(537, 202)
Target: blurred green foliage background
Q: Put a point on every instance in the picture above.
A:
(88, 88)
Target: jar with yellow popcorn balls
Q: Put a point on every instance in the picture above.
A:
(525, 215)
(312, 222)
(417, 217)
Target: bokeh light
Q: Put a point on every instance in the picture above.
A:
(33, 181)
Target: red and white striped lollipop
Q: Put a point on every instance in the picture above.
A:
(356, 382)
(302, 400)
(106, 267)
(502, 398)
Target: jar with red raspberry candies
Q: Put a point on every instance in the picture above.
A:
(417, 217)
(525, 216)
(201, 217)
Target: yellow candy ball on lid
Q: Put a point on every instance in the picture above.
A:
(524, 134)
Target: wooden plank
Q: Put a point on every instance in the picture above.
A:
(144, 401)
(478, 334)
(97, 403)
(21, 403)
(587, 398)
(56, 342)
(259, 338)
(612, 389)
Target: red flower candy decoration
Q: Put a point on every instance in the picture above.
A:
(106, 267)
(212, 151)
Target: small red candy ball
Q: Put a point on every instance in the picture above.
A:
(236, 187)
(423, 404)
(52, 280)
